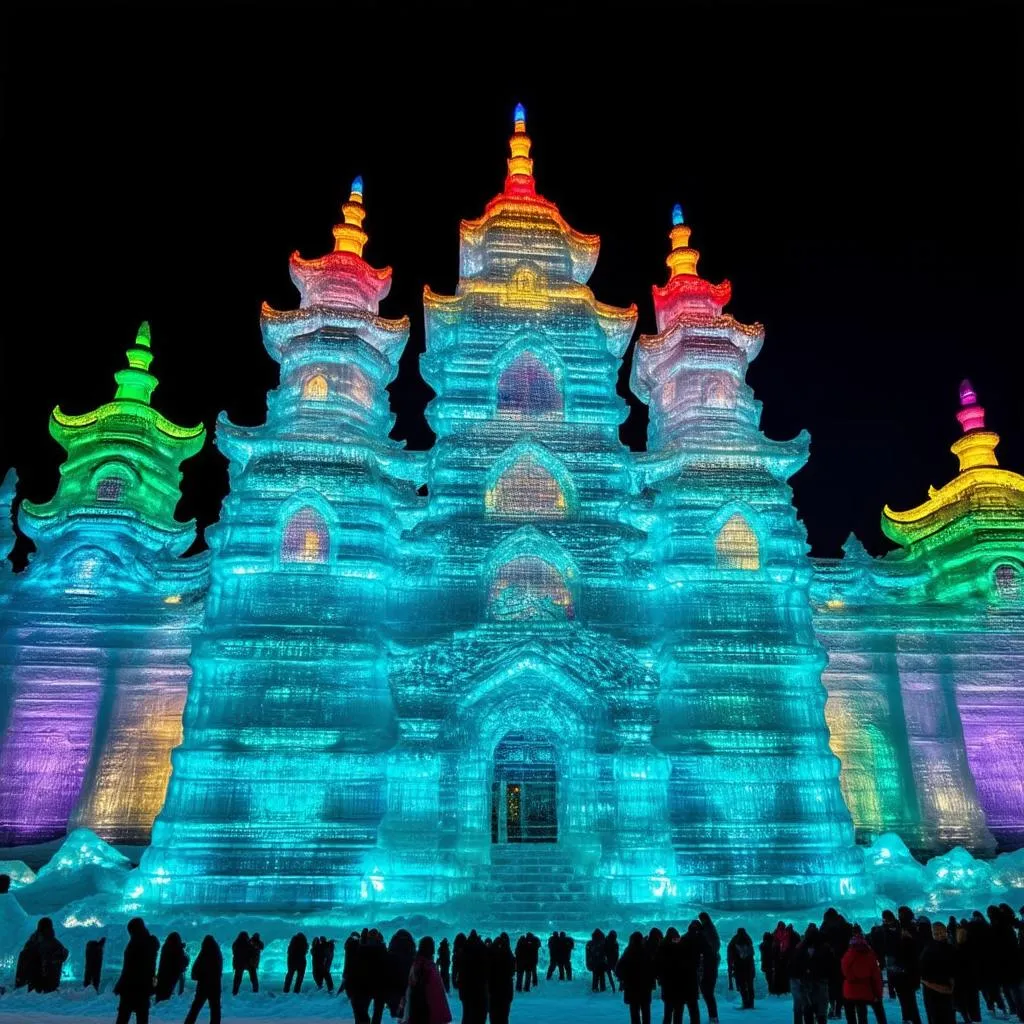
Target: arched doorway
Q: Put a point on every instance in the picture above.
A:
(524, 790)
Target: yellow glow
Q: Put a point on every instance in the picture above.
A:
(173, 599)
(315, 389)
(736, 545)
(976, 449)
(310, 547)
(834, 603)
(956, 490)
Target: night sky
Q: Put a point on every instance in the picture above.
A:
(856, 176)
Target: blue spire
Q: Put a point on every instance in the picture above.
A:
(357, 184)
(677, 215)
(520, 115)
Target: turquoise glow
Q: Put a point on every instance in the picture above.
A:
(677, 215)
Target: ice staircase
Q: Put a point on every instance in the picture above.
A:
(535, 886)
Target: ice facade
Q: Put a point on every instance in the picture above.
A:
(527, 667)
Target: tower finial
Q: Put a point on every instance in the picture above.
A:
(136, 383)
(971, 415)
(520, 167)
(350, 236)
(977, 448)
(681, 259)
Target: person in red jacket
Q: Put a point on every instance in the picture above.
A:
(862, 979)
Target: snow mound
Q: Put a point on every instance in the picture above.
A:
(957, 872)
(84, 866)
(84, 848)
(21, 874)
(897, 874)
(1008, 870)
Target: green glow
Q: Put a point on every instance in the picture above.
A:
(124, 458)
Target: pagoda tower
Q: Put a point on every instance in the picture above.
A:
(961, 678)
(279, 785)
(525, 706)
(755, 811)
(94, 635)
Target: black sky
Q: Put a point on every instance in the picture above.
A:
(857, 176)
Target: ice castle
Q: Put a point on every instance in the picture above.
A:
(527, 667)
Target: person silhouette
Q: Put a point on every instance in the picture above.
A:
(206, 973)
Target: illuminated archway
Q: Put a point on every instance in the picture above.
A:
(527, 389)
(736, 545)
(526, 489)
(528, 588)
(315, 388)
(306, 538)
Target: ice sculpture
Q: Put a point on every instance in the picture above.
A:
(563, 674)
(926, 659)
(754, 806)
(95, 635)
(527, 669)
(280, 785)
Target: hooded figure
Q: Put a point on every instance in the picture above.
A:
(206, 973)
(425, 1001)
(862, 979)
(636, 974)
(135, 985)
(172, 967)
(740, 957)
(41, 959)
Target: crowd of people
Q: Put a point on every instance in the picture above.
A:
(832, 970)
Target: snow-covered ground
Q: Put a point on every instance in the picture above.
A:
(553, 1002)
(89, 889)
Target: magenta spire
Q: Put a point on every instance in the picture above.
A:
(971, 415)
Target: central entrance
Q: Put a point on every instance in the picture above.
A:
(524, 790)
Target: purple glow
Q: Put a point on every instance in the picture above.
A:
(50, 729)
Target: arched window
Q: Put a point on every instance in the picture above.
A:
(1008, 583)
(736, 545)
(528, 389)
(720, 393)
(526, 489)
(110, 489)
(315, 388)
(529, 589)
(306, 538)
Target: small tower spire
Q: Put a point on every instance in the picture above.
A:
(681, 260)
(136, 383)
(971, 415)
(978, 446)
(350, 236)
(520, 167)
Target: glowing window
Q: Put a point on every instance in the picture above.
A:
(736, 545)
(315, 388)
(1008, 583)
(528, 588)
(527, 388)
(306, 538)
(110, 488)
(526, 489)
(721, 393)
